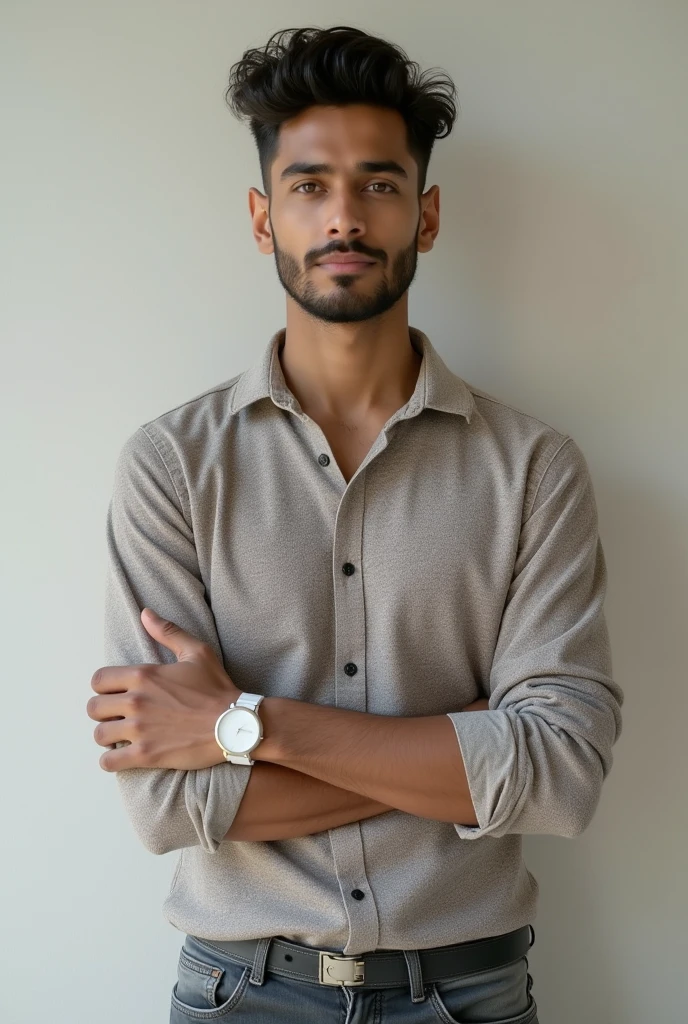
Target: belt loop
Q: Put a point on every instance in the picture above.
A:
(533, 938)
(257, 975)
(415, 975)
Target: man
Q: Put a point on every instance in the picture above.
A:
(358, 547)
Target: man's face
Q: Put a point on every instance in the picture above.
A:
(373, 212)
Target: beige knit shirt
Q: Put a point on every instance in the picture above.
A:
(478, 571)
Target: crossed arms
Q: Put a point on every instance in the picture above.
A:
(317, 766)
(281, 803)
(535, 760)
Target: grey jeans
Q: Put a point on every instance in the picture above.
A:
(212, 986)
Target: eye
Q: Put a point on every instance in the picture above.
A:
(372, 185)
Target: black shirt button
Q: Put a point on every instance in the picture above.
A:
(348, 568)
(350, 668)
(357, 894)
(324, 460)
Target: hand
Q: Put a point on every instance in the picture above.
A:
(167, 713)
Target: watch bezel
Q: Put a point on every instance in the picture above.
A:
(249, 711)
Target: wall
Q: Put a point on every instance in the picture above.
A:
(132, 282)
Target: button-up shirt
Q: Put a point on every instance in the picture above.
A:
(461, 560)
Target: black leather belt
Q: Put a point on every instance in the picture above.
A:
(381, 968)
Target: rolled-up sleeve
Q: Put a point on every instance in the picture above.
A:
(152, 562)
(536, 760)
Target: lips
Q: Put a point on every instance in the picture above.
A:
(343, 260)
(346, 266)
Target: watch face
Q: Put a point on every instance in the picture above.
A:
(238, 730)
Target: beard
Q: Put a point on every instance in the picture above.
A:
(346, 302)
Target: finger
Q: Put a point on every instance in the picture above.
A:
(107, 733)
(120, 758)
(109, 705)
(117, 678)
(170, 635)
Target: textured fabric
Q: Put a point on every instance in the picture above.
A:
(472, 528)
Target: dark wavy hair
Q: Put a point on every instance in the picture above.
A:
(301, 67)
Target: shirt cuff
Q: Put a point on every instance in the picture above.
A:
(498, 778)
(213, 804)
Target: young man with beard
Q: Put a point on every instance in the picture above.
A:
(350, 548)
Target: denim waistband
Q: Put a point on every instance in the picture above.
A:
(380, 968)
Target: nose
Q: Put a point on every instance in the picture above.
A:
(344, 214)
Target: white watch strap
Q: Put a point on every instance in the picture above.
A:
(249, 700)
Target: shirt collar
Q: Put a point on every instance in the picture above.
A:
(436, 388)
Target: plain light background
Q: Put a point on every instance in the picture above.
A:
(131, 282)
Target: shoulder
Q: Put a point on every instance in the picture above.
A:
(545, 453)
(500, 414)
(178, 438)
(208, 405)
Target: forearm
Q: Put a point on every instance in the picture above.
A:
(410, 764)
(280, 803)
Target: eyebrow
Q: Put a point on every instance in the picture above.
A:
(366, 166)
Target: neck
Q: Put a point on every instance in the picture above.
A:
(350, 372)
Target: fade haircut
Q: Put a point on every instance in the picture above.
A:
(302, 67)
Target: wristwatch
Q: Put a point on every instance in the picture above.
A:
(239, 729)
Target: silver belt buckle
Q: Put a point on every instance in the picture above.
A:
(340, 970)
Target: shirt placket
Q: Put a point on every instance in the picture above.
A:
(346, 841)
(350, 692)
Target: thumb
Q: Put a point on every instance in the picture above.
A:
(170, 635)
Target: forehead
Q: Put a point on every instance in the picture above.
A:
(343, 135)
